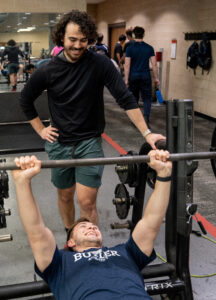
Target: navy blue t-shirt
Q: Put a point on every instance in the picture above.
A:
(105, 273)
(140, 53)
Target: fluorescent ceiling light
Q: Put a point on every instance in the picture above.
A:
(26, 29)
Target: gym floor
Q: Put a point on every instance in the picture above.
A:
(16, 257)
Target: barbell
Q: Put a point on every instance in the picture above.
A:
(111, 160)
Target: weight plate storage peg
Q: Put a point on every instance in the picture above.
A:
(122, 201)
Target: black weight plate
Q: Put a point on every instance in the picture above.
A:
(123, 175)
(122, 209)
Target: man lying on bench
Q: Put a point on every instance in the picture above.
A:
(90, 270)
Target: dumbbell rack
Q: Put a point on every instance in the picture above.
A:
(178, 223)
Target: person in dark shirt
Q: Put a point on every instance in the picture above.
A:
(129, 36)
(12, 52)
(118, 51)
(100, 47)
(137, 71)
(90, 270)
(75, 81)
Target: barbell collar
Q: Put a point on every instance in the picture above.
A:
(46, 164)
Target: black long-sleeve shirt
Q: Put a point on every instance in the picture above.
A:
(75, 95)
(13, 54)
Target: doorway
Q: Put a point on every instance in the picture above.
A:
(114, 31)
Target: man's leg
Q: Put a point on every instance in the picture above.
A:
(86, 197)
(146, 94)
(66, 205)
(12, 79)
(64, 180)
(88, 178)
(134, 88)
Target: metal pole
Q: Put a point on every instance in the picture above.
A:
(111, 160)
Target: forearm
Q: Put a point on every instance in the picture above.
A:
(127, 68)
(28, 208)
(37, 125)
(154, 67)
(155, 71)
(118, 58)
(157, 206)
(136, 116)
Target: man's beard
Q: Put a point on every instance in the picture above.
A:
(75, 57)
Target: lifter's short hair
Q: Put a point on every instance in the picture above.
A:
(82, 19)
(70, 230)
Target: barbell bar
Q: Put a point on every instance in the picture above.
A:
(111, 160)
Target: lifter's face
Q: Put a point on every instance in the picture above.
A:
(75, 42)
(86, 235)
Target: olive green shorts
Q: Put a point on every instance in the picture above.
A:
(13, 68)
(87, 175)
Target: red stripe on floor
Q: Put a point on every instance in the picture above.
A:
(208, 226)
(113, 144)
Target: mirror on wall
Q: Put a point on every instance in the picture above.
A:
(32, 28)
(32, 32)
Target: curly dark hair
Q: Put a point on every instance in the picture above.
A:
(11, 43)
(81, 18)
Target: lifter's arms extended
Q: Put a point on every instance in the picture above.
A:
(40, 237)
(147, 228)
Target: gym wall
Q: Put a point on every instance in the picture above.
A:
(163, 21)
(41, 6)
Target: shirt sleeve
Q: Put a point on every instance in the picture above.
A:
(128, 52)
(140, 258)
(50, 272)
(115, 84)
(32, 90)
(152, 53)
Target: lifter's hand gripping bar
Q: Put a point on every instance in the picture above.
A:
(111, 160)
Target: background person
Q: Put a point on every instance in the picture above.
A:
(91, 270)
(12, 52)
(129, 36)
(75, 81)
(100, 47)
(56, 50)
(118, 51)
(137, 71)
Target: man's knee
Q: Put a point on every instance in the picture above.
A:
(66, 195)
(87, 204)
(86, 197)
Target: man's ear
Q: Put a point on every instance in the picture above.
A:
(71, 243)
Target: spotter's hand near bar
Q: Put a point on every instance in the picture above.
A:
(29, 165)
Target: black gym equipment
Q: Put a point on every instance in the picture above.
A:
(122, 201)
(17, 135)
(213, 148)
(178, 225)
(3, 195)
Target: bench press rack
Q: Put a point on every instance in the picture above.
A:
(178, 224)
